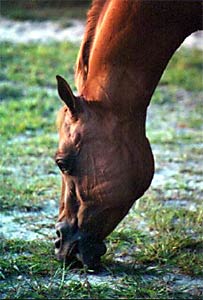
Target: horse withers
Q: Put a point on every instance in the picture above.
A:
(104, 155)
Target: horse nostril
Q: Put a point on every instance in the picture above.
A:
(58, 233)
(58, 243)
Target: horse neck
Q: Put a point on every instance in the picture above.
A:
(132, 45)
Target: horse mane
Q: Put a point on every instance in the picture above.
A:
(82, 62)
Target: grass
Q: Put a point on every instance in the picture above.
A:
(185, 70)
(37, 65)
(157, 244)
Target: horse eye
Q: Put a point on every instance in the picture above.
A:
(66, 165)
(60, 163)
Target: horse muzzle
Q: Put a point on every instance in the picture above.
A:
(73, 245)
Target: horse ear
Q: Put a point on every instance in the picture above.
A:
(66, 94)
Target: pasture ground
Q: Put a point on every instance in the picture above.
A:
(157, 250)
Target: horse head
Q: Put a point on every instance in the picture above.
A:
(101, 175)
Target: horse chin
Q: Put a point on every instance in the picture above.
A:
(72, 246)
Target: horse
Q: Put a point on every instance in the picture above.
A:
(105, 158)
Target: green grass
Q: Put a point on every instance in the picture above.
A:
(185, 70)
(155, 240)
(175, 235)
(37, 65)
(35, 261)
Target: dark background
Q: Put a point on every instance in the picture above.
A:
(43, 9)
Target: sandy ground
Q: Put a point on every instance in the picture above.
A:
(43, 32)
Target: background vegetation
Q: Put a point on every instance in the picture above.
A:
(44, 9)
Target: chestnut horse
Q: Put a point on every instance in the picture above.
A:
(104, 155)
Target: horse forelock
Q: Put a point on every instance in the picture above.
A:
(84, 53)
